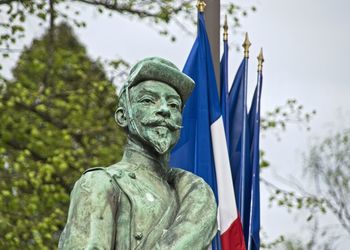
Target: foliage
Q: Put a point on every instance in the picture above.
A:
(56, 121)
(276, 122)
(16, 13)
(289, 113)
(319, 239)
(159, 14)
(56, 113)
(327, 165)
(49, 130)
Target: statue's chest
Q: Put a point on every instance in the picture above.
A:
(154, 200)
(147, 206)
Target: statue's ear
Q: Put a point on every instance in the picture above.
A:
(120, 117)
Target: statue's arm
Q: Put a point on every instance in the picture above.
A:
(91, 216)
(196, 222)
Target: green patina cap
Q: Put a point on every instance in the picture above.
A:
(159, 69)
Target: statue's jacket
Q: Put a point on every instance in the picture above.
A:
(112, 208)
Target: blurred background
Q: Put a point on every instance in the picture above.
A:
(62, 63)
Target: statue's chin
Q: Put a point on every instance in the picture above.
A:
(161, 139)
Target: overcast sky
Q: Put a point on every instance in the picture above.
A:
(307, 48)
(307, 52)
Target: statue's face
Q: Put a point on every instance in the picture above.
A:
(156, 109)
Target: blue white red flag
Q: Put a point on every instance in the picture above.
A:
(202, 147)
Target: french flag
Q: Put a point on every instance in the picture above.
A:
(202, 147)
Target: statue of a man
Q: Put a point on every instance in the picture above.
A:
(140, 202)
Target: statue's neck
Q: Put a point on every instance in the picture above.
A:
(137, 153)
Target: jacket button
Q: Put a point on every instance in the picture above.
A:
(132, 175)
(138, 236)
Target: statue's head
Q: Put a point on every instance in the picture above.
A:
(151, 103)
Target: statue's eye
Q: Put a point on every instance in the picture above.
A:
(174, 105)
(146, 100)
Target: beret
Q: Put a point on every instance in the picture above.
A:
(159, 69)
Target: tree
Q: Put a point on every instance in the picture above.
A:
(56, 121)
(158, 13)
(327, 171)
(319, 239)
(56, 113)
(328, 166)
(43, 77)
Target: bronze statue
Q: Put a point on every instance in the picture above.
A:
(140, 202)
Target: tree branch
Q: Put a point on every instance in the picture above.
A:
(120, 8)
(6, 1)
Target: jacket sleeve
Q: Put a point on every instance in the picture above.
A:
(196, 222)
(91, 216)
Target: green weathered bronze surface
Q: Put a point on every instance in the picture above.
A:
(140, 202)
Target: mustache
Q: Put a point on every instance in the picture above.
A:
(158, 121)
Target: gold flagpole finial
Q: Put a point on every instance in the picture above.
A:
(260, 60)
(225, 29)
(201, 5)
(246, 44)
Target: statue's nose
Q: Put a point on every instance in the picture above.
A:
(163, 110)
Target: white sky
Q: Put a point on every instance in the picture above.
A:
(307, 51)
(307, 48)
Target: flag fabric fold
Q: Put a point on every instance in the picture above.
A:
(254, 126)
(224, 86)
(239, 144)
(202, 147)
(244, 157)
(237, 116)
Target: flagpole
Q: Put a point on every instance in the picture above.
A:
(260, 61)
(212, 20)
(225, 34)
(246, 44)
(260, 66)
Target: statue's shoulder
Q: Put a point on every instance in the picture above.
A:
(93, 180)
(120, 169)
(181, 177)
(99, 178)
(95, 173)
(181, 173)
(94, 169)
(112, 174)
(110, 170)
